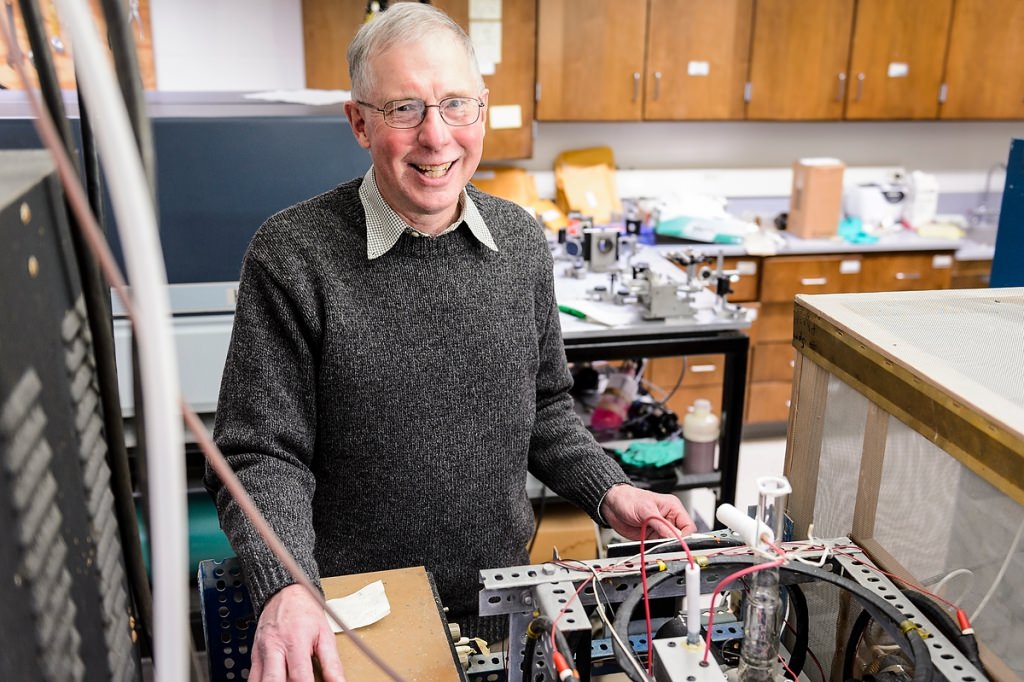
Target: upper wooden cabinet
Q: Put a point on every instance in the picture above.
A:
(328, 27)
(798, 59)
(897, 58)
(697, 58)
(590, 60)
(985, 65)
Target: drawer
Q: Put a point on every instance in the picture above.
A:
(701, 370)
(773, 362)
(971, 274)
(768, 401)
(906, 271)
(775, 322)
(749, 271)
(784, 277)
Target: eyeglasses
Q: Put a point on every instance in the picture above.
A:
(409, 113)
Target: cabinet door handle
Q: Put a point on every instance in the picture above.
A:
(813, 281)
(702, 369)
(908, 275)
(840, 86)
(860, 87)
(657, 85)
(636, 85)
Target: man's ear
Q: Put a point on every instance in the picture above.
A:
(358, 122)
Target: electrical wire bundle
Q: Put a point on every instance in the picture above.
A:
(793, 563)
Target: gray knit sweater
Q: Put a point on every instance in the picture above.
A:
(384, 413)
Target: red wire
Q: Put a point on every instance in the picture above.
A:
(788, 669)
(728, 579)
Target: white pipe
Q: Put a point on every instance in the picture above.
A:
(692, 604)
(136, 222)
(744, 526)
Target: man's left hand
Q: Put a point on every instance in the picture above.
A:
(625, 507)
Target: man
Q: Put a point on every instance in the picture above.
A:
(396, 364)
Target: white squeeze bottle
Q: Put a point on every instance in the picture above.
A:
(700, 437)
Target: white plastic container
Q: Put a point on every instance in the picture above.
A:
(700, 438)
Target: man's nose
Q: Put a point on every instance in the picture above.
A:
(434, 131)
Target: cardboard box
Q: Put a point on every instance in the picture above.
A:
(816, 201)
(567, 528)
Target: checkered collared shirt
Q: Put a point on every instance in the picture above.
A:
(384, 226)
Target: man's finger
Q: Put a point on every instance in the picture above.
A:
(327, 656)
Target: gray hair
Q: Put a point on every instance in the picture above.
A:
(404, 22)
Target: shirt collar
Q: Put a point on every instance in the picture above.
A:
(384, 226)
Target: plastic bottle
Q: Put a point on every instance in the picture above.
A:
(700, 437)
(615, 400)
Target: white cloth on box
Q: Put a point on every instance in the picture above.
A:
(361, 608)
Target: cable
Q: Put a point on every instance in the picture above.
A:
(798, 654)
(966, 642)
(538, 518)
(49, 85)
(937, 587)
(129, 77)
(65, 168)
(1002, 572)
(137, 225)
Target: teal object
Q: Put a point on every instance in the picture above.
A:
(652, 454)
(852, 231)
(205, 538)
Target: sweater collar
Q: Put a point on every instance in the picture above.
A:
(384, 226)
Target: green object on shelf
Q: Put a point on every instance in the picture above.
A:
(205, 538)
(652, 454)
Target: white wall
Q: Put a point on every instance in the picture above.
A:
(228, 44)
(932, 146)
(257, 45)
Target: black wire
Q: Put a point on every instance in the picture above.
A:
(49, 85)
(967, 644)
(852, 644)
(97, 303)
(538, 517)
(126, 66)
(798, 654)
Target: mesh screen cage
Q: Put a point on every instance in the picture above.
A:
(905, 433)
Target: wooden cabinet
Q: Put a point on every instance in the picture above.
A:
(328, 27)
(906, 272)
(971, 274)
(896, 59)
(783, 277)
(697, 58)
(985, 64)
(798, 59)
(590, 60)
(687, 379)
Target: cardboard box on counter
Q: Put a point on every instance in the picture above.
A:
(567, 528)
(816, 201)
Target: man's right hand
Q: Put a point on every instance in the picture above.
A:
(292, 630)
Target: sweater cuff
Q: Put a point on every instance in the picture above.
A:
(264, 581)
(599, 517)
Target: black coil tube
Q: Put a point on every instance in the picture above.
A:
(922, 659)
(49, 86)
(940, 618)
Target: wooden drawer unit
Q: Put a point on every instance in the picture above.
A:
(768, 401)
(773, 362)
(702, 379)
(906, 271)
(784, 277)
(971, 274)
(749, 271)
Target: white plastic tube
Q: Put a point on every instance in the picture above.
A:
(692, 604)
(744, 526)
(137, 228)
